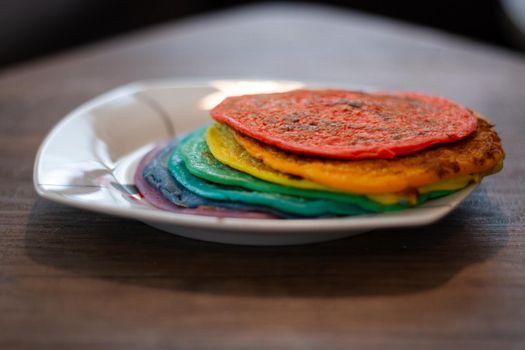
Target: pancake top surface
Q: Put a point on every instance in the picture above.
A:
(476, 154)
(347, 124)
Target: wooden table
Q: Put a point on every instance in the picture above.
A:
(75, 279)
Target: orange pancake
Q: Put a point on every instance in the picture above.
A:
(478, 153)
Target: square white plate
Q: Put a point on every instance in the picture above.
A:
(89, 158)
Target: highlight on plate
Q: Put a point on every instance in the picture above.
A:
(321, 153)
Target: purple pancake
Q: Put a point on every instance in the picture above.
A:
(155, 198)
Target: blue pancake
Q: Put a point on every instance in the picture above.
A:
(155, 198)
(306, 207)
(156, 174)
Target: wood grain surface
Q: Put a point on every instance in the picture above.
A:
(75, 279)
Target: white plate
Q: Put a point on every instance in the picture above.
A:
(89, 158)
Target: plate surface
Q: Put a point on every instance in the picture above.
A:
(89, 158)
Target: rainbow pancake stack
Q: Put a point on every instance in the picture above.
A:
(321, 153)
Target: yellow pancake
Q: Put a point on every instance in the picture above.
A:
(479, 153)
(224, 148)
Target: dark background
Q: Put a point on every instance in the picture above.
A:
(32, 28)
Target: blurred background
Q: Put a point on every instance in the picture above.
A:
(30, 28)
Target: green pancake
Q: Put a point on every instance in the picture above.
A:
(285, 203)
(201, 163)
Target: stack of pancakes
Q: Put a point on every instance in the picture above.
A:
(325, 153)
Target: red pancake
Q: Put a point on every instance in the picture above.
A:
(347, 124)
